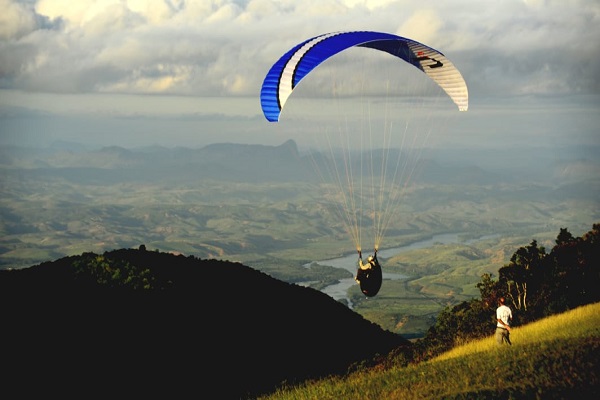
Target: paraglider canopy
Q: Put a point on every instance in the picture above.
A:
(299, 61)
(369, 146)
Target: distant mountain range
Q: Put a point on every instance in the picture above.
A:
(285, 163)
(109, 165)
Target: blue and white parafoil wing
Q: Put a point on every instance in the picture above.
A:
(443, 72)
(298, 62)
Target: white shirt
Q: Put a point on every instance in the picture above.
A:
(503, 313)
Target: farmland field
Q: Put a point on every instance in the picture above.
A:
(279, 225)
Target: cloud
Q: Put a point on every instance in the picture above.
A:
(423, 25)
(16, 20)
(224, 47)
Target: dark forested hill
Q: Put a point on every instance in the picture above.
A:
(137, 322)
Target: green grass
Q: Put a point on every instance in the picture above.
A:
(554, 358)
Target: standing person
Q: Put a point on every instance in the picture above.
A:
(503, 316)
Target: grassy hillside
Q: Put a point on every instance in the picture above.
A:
(554, 358)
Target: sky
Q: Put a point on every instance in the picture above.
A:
(188, 72)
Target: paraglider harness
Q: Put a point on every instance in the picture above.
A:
(369, 279)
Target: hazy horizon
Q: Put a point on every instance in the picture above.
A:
(188, 73)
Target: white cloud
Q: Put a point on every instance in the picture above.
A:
(155, 11)
(224, 47)
(423, 25)
(16, 19)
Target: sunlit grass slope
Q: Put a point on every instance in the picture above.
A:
(554, 358)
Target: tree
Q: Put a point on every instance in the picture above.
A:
(490, 290)
(537, 284)
(524, 265)
(575, 265)
(455, 326)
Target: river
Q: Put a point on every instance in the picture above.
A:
(339, 291)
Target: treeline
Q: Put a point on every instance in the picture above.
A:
(535, 283)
